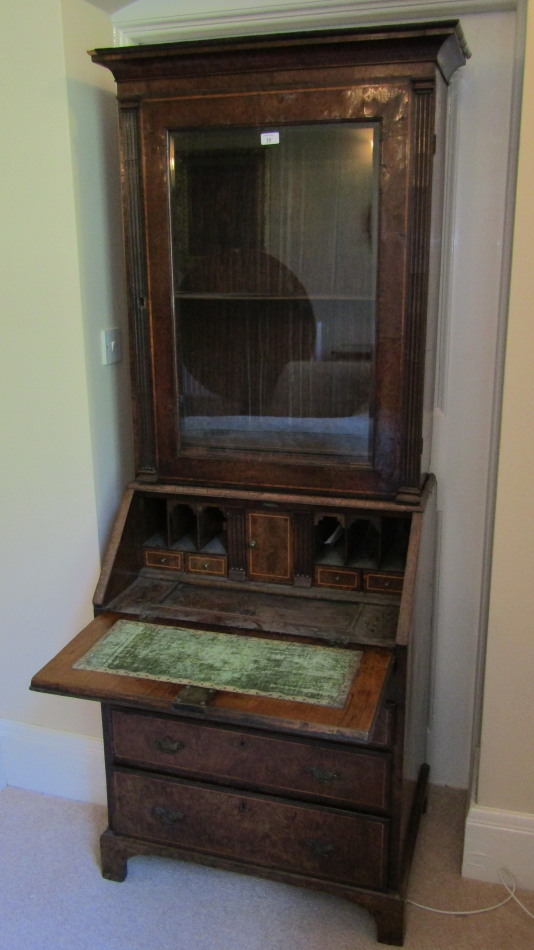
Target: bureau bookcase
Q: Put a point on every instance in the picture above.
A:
(261, 641)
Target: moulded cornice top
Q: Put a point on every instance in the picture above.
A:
(442, 42)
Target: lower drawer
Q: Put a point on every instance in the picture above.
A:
(313, 841)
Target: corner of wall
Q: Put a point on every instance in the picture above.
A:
(51, 761)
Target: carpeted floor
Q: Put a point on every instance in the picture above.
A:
(53, 897)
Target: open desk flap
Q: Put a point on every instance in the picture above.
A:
(257, 666)
(318, 688)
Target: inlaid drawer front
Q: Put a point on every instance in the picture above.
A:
(333, 577)
(337, 775)
(317, 841)
(200, 564)
(387, 583)
(165, 559)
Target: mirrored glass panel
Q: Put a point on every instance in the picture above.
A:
(274, 257)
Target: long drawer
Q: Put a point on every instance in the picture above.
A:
(311, 840)
(300, 768)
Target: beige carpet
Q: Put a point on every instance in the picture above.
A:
(52, 896)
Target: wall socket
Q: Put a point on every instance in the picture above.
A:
(111, 345)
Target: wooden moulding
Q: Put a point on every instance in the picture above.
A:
(441, 41)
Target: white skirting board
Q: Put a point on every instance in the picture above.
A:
(496, 839)
(51, 761)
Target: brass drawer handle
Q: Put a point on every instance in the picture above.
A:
(321, 848)
(168, 745)
(166, 816)
(324, 776)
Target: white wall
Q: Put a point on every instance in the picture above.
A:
(506, 757)
(500, 821)
(93, 118)
(51, 512)
(472, 319)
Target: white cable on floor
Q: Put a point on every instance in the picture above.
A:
(509, 885)
(511, 890)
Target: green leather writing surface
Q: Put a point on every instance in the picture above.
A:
(222, 661)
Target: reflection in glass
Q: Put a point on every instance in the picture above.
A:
(274, 255)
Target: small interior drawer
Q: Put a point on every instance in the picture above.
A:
(166, 559)
(311, 769)
(337, 577)
(385, 583)
(202, 564)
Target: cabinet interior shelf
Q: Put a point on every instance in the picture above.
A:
(245, 295)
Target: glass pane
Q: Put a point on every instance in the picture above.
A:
(274, 256)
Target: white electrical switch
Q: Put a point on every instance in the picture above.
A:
(111, 345)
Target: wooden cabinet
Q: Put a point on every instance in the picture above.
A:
(282, 211)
